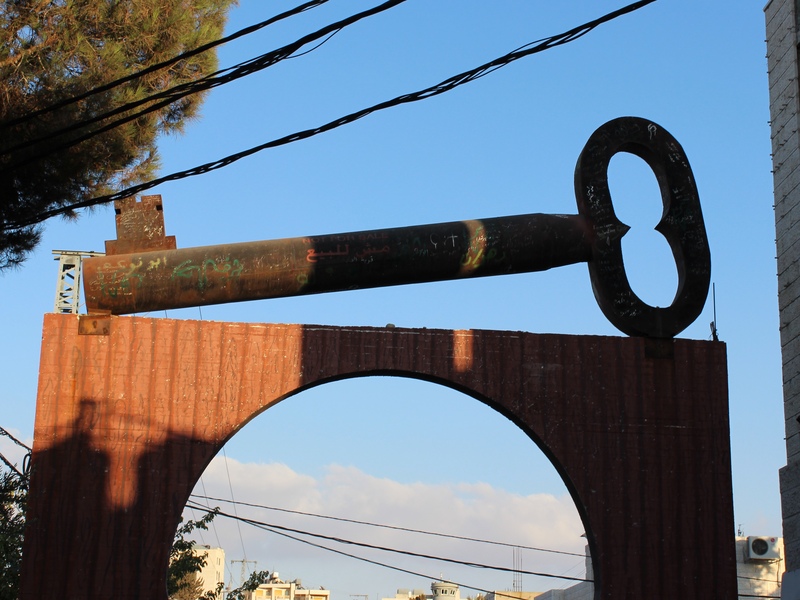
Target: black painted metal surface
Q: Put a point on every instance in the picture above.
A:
(681, 224)
(228, 273)
(157, 278)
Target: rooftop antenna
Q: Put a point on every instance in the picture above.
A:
(714, 333)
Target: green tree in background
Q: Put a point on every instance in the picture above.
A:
(13, 494)
(191, 588)
(256, 578)
(52, 50)
(185, 563)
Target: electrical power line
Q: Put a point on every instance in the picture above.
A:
(283, 531)
(280, 530)
(5, 433)
(440, 88)
(771, 580)
(26, 464)
(230, 486)
(164, 64)
(393, 527)
(11, 466)
(214, 527)
(167, 97)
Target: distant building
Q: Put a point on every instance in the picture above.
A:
(277, 589)
(441, 590)
(213, 573)
(579, 591)
(498, 595)
(444, 590)
(407, 594)
(759, 568)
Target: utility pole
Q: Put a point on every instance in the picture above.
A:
(244, 562)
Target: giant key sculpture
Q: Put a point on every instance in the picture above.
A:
(158, 278)
(131, 409)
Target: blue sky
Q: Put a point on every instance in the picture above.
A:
(503, 145)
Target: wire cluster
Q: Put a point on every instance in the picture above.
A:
(61, 140)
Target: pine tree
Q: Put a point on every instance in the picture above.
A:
(189, 588)
(185, 563)
(52, 50)
(13, 495)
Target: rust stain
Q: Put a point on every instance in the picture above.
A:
(126, 423)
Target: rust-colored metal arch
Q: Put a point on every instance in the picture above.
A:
(129, 415)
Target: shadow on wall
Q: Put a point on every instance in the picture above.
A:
(73, 505)
(127, 421)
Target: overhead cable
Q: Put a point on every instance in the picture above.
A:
(280, 530)
(164, 64)
(393, 527)
(11, 466)
(5, 433)
(771, 580)
(159, 100)
(440, 88)
(230, 487)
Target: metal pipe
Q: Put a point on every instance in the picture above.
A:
(168, 279)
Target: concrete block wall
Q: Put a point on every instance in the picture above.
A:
(781, 17)
(757, 578)
(580, 591)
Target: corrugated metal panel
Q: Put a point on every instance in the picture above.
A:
(127, 422)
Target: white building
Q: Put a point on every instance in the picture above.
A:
(277, 589)
(511, 595)
(213, 573)
(407, 594)
(759, 568)
(440, 590)
(444, 590)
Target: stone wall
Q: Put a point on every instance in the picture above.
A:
(782, 66)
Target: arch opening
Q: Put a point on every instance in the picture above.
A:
(621, 415)
(398, 451)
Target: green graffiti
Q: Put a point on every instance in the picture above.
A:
(220, 271)
(475, 257)
(115, 280)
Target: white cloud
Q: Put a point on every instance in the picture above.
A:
(475, 510)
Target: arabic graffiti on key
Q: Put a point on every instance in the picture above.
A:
(313, 255)
(475, 257)
(222, 271)
(119, 279)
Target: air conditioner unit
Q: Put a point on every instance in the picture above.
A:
(763, 548)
